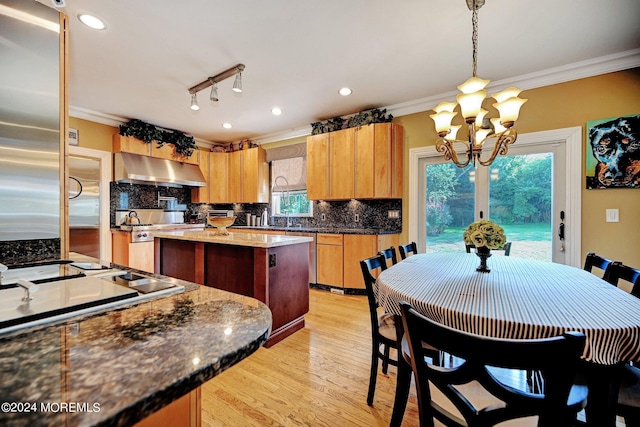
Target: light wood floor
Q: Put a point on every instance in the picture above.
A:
(316, 377)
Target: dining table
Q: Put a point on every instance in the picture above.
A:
(522, 298)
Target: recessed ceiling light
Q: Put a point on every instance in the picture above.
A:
(92, 21)
(227, 125)
(345, 91)
(276, 111)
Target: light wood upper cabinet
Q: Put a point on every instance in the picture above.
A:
(201, 194)
(318, 167)
(342, 164)
(236, 177)
(379, 161)
(236, 181)
(255, 175)
(129, 144)
(218, 182)
(360, 163)
(168, 151)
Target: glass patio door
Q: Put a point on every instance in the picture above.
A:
(524, 192)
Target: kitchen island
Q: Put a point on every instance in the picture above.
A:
(271, 268)
(123, 366)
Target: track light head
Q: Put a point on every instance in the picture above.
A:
(194, 102)
(237, 84)
(214, 92)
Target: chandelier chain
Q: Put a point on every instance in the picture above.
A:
(474, 38)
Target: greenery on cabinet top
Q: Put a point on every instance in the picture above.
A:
(184, 144)
(363, 118)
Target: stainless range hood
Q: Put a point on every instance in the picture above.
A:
(137, 169)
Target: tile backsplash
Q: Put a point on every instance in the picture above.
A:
(371, 214)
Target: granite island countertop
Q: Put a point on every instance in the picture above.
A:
(256, 240)
(120, 366)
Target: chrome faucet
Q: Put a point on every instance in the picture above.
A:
(287, 197)
(29, 289)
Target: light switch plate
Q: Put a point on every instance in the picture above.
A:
(612, 215)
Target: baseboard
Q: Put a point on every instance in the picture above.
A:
(337, 289)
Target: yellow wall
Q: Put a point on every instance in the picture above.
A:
(93, 135)
(560, 106)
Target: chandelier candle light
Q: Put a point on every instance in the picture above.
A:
(473, 95)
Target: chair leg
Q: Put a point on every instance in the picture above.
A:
(403, 384)
(374, 373)
(385, 361)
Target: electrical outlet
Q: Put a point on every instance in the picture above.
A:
(323, 217)
(356, 218)
(393, 214)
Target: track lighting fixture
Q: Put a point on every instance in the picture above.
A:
(212, 81)
(214, 92)
(194, 102)
(237, 84)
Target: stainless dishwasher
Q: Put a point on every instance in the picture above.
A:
(312, 252)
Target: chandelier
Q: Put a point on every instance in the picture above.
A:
(470, 100)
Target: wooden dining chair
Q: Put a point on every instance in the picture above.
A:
(408, 249)
(557, 358)
(628, 406)
(618, 271)
(592, 260)
(506, 248)
(383, 325)
(389, 254)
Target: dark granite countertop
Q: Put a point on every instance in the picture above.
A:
(120, 366)
(334, 230)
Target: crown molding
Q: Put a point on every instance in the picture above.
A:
(116, 121)
(577, 70)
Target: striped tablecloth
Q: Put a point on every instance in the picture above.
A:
(519, 298)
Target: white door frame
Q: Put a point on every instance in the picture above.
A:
(104, 157)
(571, 137)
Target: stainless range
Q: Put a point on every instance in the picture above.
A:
(148, 220)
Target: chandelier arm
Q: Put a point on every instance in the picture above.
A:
(501, 147)
(445, 146)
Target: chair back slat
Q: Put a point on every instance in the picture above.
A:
(389, 254)
(408, 249)
(593, 260)
(556, 359)
(618, 271)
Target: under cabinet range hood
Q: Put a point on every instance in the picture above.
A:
(136, 169)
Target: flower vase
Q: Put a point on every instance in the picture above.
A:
(483, 252)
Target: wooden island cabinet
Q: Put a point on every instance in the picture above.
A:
(273, 269)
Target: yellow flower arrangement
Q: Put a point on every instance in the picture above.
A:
(485, 233)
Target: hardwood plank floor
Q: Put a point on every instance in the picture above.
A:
(316, 377)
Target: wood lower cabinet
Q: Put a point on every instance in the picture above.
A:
(339, 257)
(357, 247)
(183, 412)
(138, 255)
(330, 253)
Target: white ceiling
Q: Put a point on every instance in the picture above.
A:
(299, 53)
